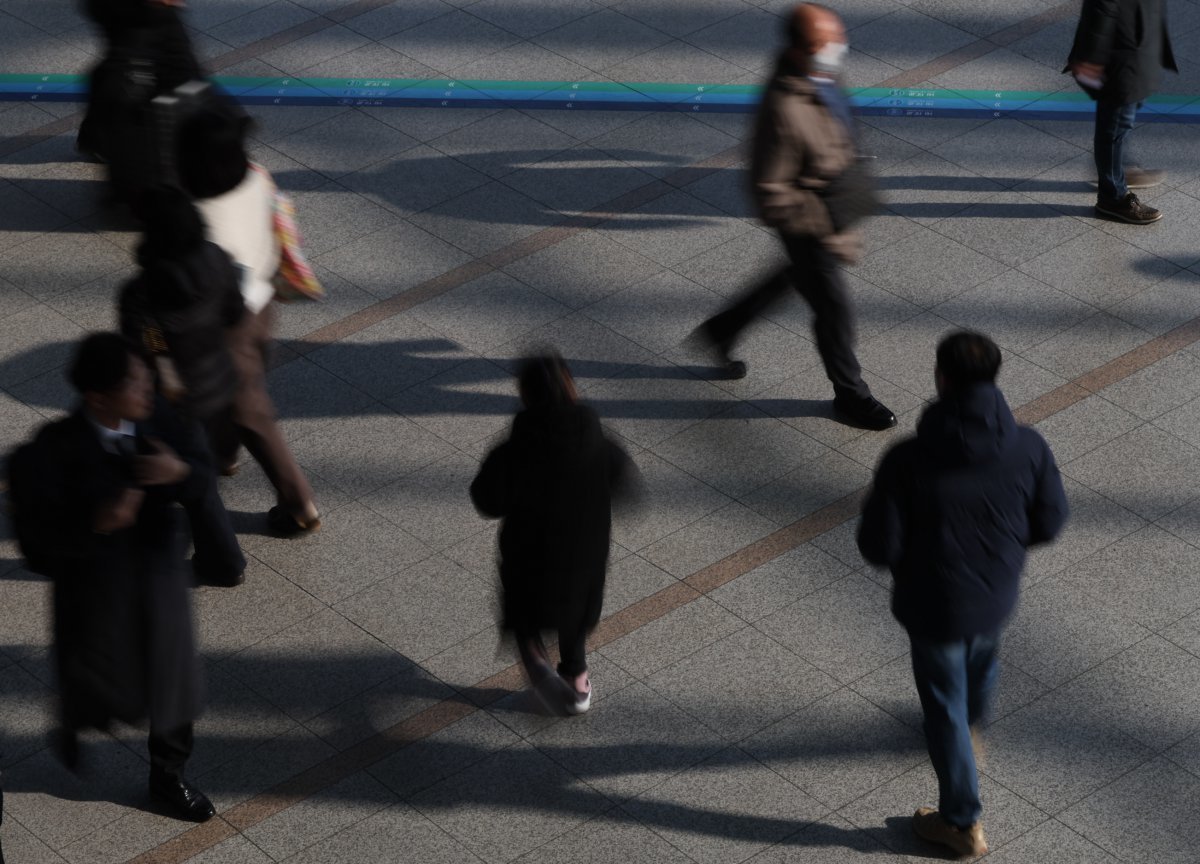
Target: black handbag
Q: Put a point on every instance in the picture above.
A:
(851, 196)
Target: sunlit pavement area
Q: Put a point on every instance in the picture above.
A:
(754, 699)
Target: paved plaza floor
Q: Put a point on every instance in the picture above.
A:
(754, 700)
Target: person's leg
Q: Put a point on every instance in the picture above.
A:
(170, 749)
(572, 652)
(218, 558)
(725, 327)
(983, 671)
(1113, 125)
(169, 752)
(940, 671)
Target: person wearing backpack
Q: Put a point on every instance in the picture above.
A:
(93, 499)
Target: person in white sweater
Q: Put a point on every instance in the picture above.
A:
(236, 199)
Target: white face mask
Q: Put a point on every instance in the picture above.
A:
(831, 58)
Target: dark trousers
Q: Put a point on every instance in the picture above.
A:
(814, 273)
(218, 554)
(955, 681)
(251, 420)
(1113, 125)
(170, 749)
(572, 648)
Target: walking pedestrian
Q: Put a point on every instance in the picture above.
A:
(553, 483)
(810, 187)
(1120, 48)
(952, 512)
(93, 506)
(183, 303)
(236, 201)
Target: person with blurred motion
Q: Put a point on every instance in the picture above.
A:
(553, 483)
(951, 513)
(1120, 50)
(811, 187)
(147, 52)
(93, 504)
(180, 308)
(236, 200)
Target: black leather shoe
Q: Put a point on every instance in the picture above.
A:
(66, 747)
(866, 412)
(731, 370)
(181, 798)
(217, 577)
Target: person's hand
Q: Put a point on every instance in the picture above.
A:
(1088, 74)
(163, 467)
(120, 513)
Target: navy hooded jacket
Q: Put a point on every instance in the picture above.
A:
(953, 510)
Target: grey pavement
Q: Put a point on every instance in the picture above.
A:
(770, 720)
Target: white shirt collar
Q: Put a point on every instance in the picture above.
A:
(108, 437)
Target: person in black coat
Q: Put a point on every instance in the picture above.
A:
(1120, 49)
(952, 512)
(186, 299)
(104, 523)
(553, 483)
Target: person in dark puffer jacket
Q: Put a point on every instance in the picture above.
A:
(189, 292)
(951, 513)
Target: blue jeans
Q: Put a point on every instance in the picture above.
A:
(955, 681)
(1113, 125)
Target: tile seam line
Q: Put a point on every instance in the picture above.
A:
(438, 716)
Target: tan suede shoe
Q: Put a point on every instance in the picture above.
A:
(966, 842)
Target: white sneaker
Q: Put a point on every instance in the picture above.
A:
(582, 701)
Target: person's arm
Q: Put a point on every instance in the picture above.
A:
(1048, 510)
(779, 189)
(1095, 37)
(883, 530)
(491, 488)
(179, 455)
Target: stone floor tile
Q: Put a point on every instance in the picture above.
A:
(910, 271)
(1088, 345)
(383, 21)
(23, 846)
(1147, 815)
(583, 269)
(725, 808)
(734, 266)
(772, 586)
(741, 684)
(646, 405)
(236, 850)
(308, 398)
(846, 629)
(315, 818)
(486, 218)
(886, 813)
(424, 609)
(679, 18)
(488, 312)
(1006, 153)
(684, 227)
(372, 60)
(928, 188)
(522, 62)
(683, 501)
(838, 748)
(26, 603)
(615, 835)
(263, 767)
(1169, 304)
(1059, 632)
(30, 717)
(808, 488)
(333, 216)
(908, 39)
(450, 40)
(35, 341)
(1094, 523)
(638, 741)
(125, 838)
(1174, 242)
(236, 722)
(343, 144)
(676, 635)
(581, 179)
(1161, 387)
(1052, 841)
(1098, 269)
(414, 180)
(602, 40)
(479, 656)
(678, 62)
(379, 837)
(510, 803)
(503, 142)
(229, 620)
(469, 404)
(1079, 429)
(833, 840)
(262, 21)
(303, 56)
(592, 351)
(631, 579)
(1143, 471)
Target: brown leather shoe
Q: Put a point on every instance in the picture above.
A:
(1128, 209)
(965, 842)
(286, 525)
(1143, 178)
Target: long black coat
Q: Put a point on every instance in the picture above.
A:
(122, 614)
(1129, 39)
(195, 299)
(552, 482)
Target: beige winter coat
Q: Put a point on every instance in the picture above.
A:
(799, 146)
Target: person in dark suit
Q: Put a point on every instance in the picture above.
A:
(105, 523)
(1120, 50)
(804, 152)
(553, 483)
(951, 513)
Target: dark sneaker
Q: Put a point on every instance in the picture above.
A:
(285, 524)
(1128, 209)
(966, 842)
(731, 370)
(866, 412)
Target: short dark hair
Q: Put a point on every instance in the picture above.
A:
(101, 363)
(542, 379)
(171, 225)
(966, 357)
(211, 152)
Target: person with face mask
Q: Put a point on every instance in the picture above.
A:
(809, 186)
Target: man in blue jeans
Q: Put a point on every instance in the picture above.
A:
(1120, 48)
(952, 512)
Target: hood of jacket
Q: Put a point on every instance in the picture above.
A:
(969, 427)
(569, 428)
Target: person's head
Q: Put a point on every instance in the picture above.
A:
(171, 225)
(544, 380)
(965, 358)
(817, 40)
(211, 152)
(112, 379)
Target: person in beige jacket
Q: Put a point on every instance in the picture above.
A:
(804, 148)
(236, 200)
